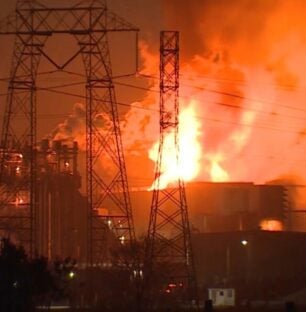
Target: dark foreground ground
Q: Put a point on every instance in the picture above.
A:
(280, 308)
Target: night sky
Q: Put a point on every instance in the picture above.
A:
(134, 11)
(242, 77)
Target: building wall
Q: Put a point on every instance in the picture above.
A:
(61, 217)
(217, 207)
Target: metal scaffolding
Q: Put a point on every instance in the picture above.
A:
(109, 207)
(169, 253)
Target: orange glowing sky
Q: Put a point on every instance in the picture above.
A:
(242, 90)
(242, 79)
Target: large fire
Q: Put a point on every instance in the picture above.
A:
(187, 165)
(191, 153)
(241, 100)
(242, 95)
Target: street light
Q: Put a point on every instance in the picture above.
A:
(244, 242)
(71, 274)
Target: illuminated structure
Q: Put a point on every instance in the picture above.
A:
(61, 208)
(226, 207)
(169, 252)
(89, 22)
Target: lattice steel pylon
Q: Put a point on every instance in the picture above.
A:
(109, 206)
(169, 253)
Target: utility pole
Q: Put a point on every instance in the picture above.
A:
(169, 266)
(108, 201)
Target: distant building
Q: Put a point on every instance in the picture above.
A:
(218, 207)
(222, 297)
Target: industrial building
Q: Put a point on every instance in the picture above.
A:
(236, 230)
(61, 208)
(220, 207)
(213, 207)
(61, 215)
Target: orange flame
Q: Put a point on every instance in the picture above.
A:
(248, 97)
(271, 225)
(217, 173)
(187, 166)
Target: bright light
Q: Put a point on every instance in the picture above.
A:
(138, 274)
(71, 274)
(172, 285)
(217, 173)
(109, 222)
(19, 201)
(18, 170)
(187, 166)
(244, 242)
(271, 225)
(122, 238)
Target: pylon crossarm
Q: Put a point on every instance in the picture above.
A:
(43, 21)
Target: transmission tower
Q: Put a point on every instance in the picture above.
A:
(169, 252)
(109, 207)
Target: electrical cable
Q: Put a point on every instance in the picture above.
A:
(228, 94)
(195, 87)
(214, 102)
(53, 89)
(157, 112)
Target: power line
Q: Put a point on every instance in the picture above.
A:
(184, 97)
(217, 103)
(229, 94)
(53, 90)
(7, 79)
(195, 116)
(239, 82)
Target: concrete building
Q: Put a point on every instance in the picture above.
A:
(218, 207)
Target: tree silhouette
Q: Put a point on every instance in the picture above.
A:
(24, 282)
